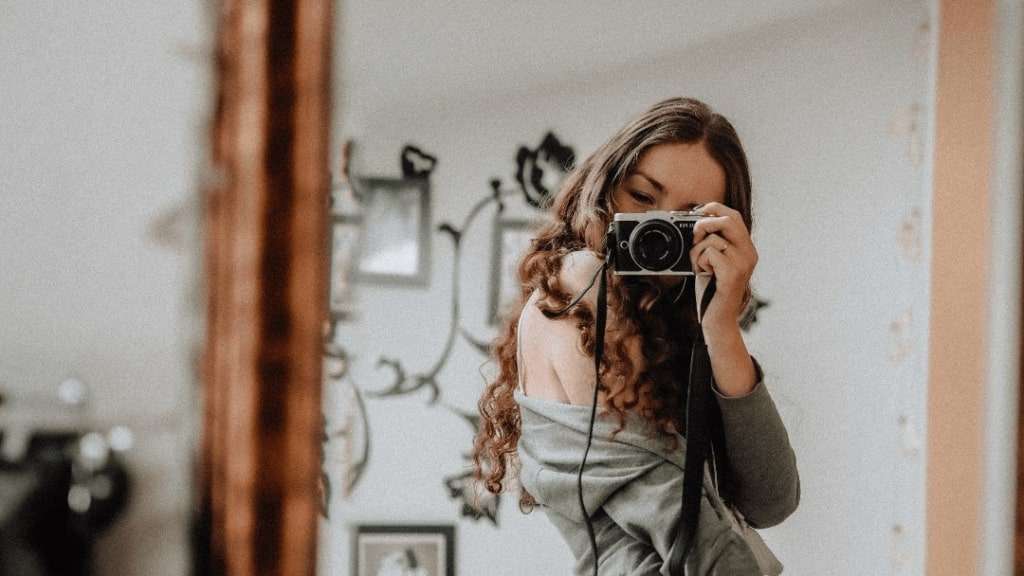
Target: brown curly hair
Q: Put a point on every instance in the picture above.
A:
(579, 218)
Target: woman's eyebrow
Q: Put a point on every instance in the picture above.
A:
(657, 185)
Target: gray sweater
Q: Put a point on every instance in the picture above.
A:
(633, 485)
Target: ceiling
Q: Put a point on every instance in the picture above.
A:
(396, 52)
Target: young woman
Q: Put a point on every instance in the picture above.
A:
(535, 415)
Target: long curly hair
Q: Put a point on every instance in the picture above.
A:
(578, 220)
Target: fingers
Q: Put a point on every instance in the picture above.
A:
(703, 263)
(728, 223)
(720, 265)
(722, 219)
(711, 241)
(700, 254)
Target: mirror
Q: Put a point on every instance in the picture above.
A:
(831, 104)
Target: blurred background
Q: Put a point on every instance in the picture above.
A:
(103, 116)
(886, 216)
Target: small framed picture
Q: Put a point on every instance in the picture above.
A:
(510, 241)
(413, 550)
(344, 244)
(395, 242)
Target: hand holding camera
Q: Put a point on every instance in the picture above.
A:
(710, 239)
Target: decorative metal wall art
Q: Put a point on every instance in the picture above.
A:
(749, 316)
(539, 171)
(353, 430)
(416, 163)
(402, 382)
(475, 503)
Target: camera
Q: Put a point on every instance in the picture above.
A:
(652, 243)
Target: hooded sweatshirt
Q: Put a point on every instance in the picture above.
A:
(633, 486)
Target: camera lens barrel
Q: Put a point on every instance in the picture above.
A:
(656, 245)
(655, 242)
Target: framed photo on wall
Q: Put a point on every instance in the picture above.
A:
(511, 239)
(395, 241)
(344, 245)
(412, 550)
(346, 218)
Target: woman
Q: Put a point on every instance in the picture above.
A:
(678, 155)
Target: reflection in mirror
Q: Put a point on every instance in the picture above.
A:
(508, 111)
(833, 106)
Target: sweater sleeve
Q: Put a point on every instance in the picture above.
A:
(766, 484)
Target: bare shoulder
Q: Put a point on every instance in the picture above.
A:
(578, 269)
(557, 340)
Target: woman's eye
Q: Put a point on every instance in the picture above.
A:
(642, 198)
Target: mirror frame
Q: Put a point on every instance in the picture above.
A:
(265, 204)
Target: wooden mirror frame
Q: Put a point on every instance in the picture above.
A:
(265, 221)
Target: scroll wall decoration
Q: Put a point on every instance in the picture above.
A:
(354, 430)
(352, 209)
(460, 486)
(539, 173)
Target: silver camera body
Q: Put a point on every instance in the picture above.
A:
(652, 243)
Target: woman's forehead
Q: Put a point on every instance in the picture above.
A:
(682, 170)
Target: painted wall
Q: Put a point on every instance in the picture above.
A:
(1002, 395)
(100, 120)
(833, 107)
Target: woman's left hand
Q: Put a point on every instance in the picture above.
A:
(722, 246)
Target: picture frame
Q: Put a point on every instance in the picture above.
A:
(394, 246)
(344, 240)
(511, 238)
(418, 550)
(342, 245)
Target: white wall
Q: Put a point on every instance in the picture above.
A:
(1003, 388)
(833, 109)
(100, 121)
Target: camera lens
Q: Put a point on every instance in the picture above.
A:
(656, 245)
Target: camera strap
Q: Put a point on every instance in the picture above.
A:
(698, 426)
(699, 415)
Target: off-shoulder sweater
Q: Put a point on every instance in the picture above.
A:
(633, 485)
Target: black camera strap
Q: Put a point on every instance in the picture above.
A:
(698, 425)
